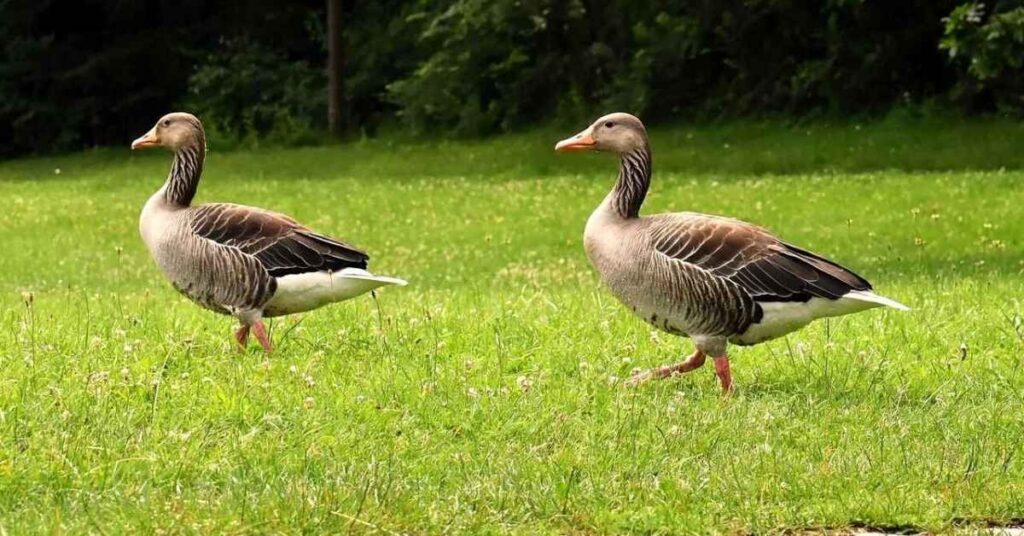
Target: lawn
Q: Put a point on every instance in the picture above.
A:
(487, 395)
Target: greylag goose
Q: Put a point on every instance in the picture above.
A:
(716, 280)
(236, 260)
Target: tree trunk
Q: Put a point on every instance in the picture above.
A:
(335, 64)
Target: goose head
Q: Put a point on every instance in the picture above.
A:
(173, 131)
(619, 133)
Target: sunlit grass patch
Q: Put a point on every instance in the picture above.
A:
(487, 396)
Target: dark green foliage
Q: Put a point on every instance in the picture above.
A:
(85, 73)
(496, 64)
(76, 74)
(988, 46)
(246, 92)
(89, 72)
(381, 47)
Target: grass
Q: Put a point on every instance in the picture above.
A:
(486, 396)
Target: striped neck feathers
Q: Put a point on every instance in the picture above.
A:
(634, 180)
(183, 180)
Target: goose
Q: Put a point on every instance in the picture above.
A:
(713, 279)
(236, 260)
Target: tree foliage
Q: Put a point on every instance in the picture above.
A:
(988, 46)
(498, 64)
(86, 73)
(246, 91)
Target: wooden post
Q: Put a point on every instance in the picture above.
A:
(335, 64)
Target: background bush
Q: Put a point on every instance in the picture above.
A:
(988, 47)
(93, 73)
(246, 92)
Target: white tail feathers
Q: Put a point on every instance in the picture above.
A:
(871, 297)
(356, 273)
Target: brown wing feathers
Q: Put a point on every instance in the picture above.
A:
(768, 269)
(281, 244)
(304, 251)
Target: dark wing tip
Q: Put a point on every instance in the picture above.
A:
(305, 251)
(794, 274)
(335, 247)
(840, 273)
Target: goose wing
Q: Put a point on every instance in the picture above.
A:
(282, 245)
(767, 268)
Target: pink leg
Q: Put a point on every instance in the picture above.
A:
(722, 371)
(261, 335)
(693, 362)
(242, 336)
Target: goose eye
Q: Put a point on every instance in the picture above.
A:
(609, 124)
(166, 123)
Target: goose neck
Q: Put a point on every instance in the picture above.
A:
(634, 180)
(183, 179)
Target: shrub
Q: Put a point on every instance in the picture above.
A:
(988, 47)
(245, 92)
(495, 64)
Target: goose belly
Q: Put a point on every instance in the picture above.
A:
(193, 279)
(651, 304)
(780, 318)
(664, 318)
(172, 255)
(193, 273)
(631, 283)
(207, 300)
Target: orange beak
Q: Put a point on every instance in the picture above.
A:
(584, 141)
(148, 139)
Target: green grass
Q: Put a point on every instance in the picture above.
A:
(486, 395)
